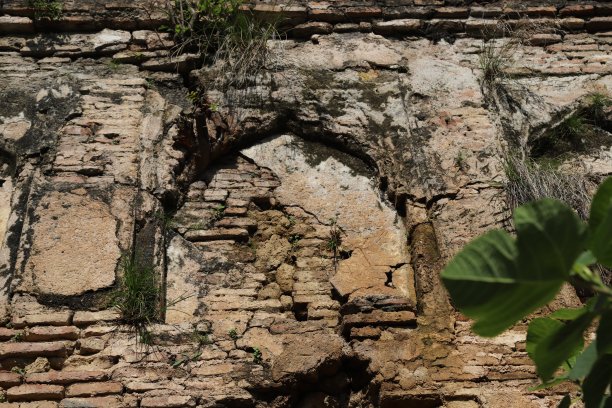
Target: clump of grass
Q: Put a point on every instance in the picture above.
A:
(496, 56)
(494, 60)
(46, 9)
(528, 180)
(598, 102)
(218, 212)
(138, 297)
(257, 356)
(221, 31)
(335, 237)
(233, 334)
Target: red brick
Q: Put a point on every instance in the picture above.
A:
(95, 402)
(307, 29)
(247, 223)
(327, 15)
(83, 318)
(378, 318)
(93, 389)
(9, 379)
(486, 12)
(598, 24)
(35, 392)
(452, 12)
(42, 319)
(52, 349)
(14, 24)
(168, 401)
(65, 377)
(217, 234)
(363, 12)
(397, 26)
(542, 11)
(46, 333)
(577, 11)
(6, 333)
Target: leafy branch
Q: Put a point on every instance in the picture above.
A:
(498, 280)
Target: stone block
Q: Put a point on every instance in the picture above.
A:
(8, 379)
(15, 25)
(75, 248)
(84, 318)
(42, 319)
(237, 234)
(91, 345)
(599, 24)
(307, 29)
(94, 389)
(541, 11)
(34, 392)
(66, 377)
(577, 10)
(452, 12)
(327, 15)
(95, 402)
(360, 13)
(397, 27)
(20, 350)
(6, 333)
(486, 12)
(403, 12)
(168, 401)
(49, 333)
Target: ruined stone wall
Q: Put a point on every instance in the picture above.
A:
(297, 225)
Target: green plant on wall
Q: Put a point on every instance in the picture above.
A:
(498, 280)
(138, 297)
(50, 9)
(222, 31)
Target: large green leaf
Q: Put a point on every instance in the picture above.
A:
(497, 281)
(484, 283)
(600, 206)
(596, 383)
(539, 329)
(560, 345)
(565, 402)
(600, 224)
(584, 362)
(604, 333)
(549, 239)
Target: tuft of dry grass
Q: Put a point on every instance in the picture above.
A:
(528, 180)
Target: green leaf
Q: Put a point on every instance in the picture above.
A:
(485, 284)
(585, 259)
(584, 362)
(601, 204)
(600, 224)
(595, 384)
(565, 402)
(553, 382)
(604, 333)
(560, 345)
(549, 239)
(539, 329)
(567, 313)
(497, 281)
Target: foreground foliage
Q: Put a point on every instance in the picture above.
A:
(497, 280)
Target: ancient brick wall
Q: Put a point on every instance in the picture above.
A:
(297, 229)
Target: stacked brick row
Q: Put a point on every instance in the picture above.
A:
(400, 17)
(59, 337)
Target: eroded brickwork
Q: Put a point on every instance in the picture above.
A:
(102, 154)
